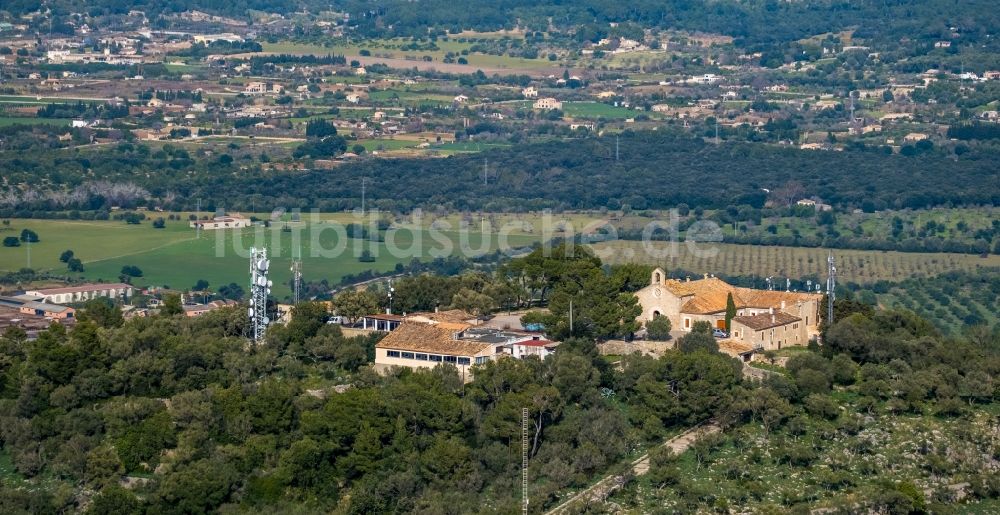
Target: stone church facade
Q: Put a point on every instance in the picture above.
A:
(764, 319)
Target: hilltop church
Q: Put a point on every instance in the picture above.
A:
(765, 319)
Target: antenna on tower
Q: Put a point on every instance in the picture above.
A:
(617, 147)
(389, 295)
(260, 287)
(485, 170)
(296, 280)
(831, 287)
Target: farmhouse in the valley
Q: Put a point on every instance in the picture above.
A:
(547, 103)
(223, 222)
(764, 319)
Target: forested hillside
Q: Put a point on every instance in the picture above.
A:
(191, 420)
(655, 170)
(758, 22)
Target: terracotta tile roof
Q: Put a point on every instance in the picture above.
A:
(418, 337)
(766, 320)
(709, 296)
(773, 299)
(453, 326)
(734, 348)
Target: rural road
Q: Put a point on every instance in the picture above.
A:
(600, 490)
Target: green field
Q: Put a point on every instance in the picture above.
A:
(173, 257)
(396, 96)
(385, 144)
(6, 121)
(597, 110)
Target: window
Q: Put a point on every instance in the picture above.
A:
(435, 357)
(421, 357)
(392, 353)
(687, 323)
(464, 361)
(482, 359)
(449, 359)
(407, 355)
(795, 326)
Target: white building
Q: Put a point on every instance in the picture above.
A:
(222, 222)
(262, 88)
(547, 103)
(82, 293)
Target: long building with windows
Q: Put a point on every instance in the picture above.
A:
(420, 345)
(82, 293)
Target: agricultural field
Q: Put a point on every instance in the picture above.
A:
(173, 257)
(22, 120)
(165, 255)
(410, 98)
(597, 110)
(392, 49)
(951, 301)
(859, 266)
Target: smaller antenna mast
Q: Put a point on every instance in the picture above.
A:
(524, 460)
(831, 287)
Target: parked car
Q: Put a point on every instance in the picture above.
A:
(719, 333)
